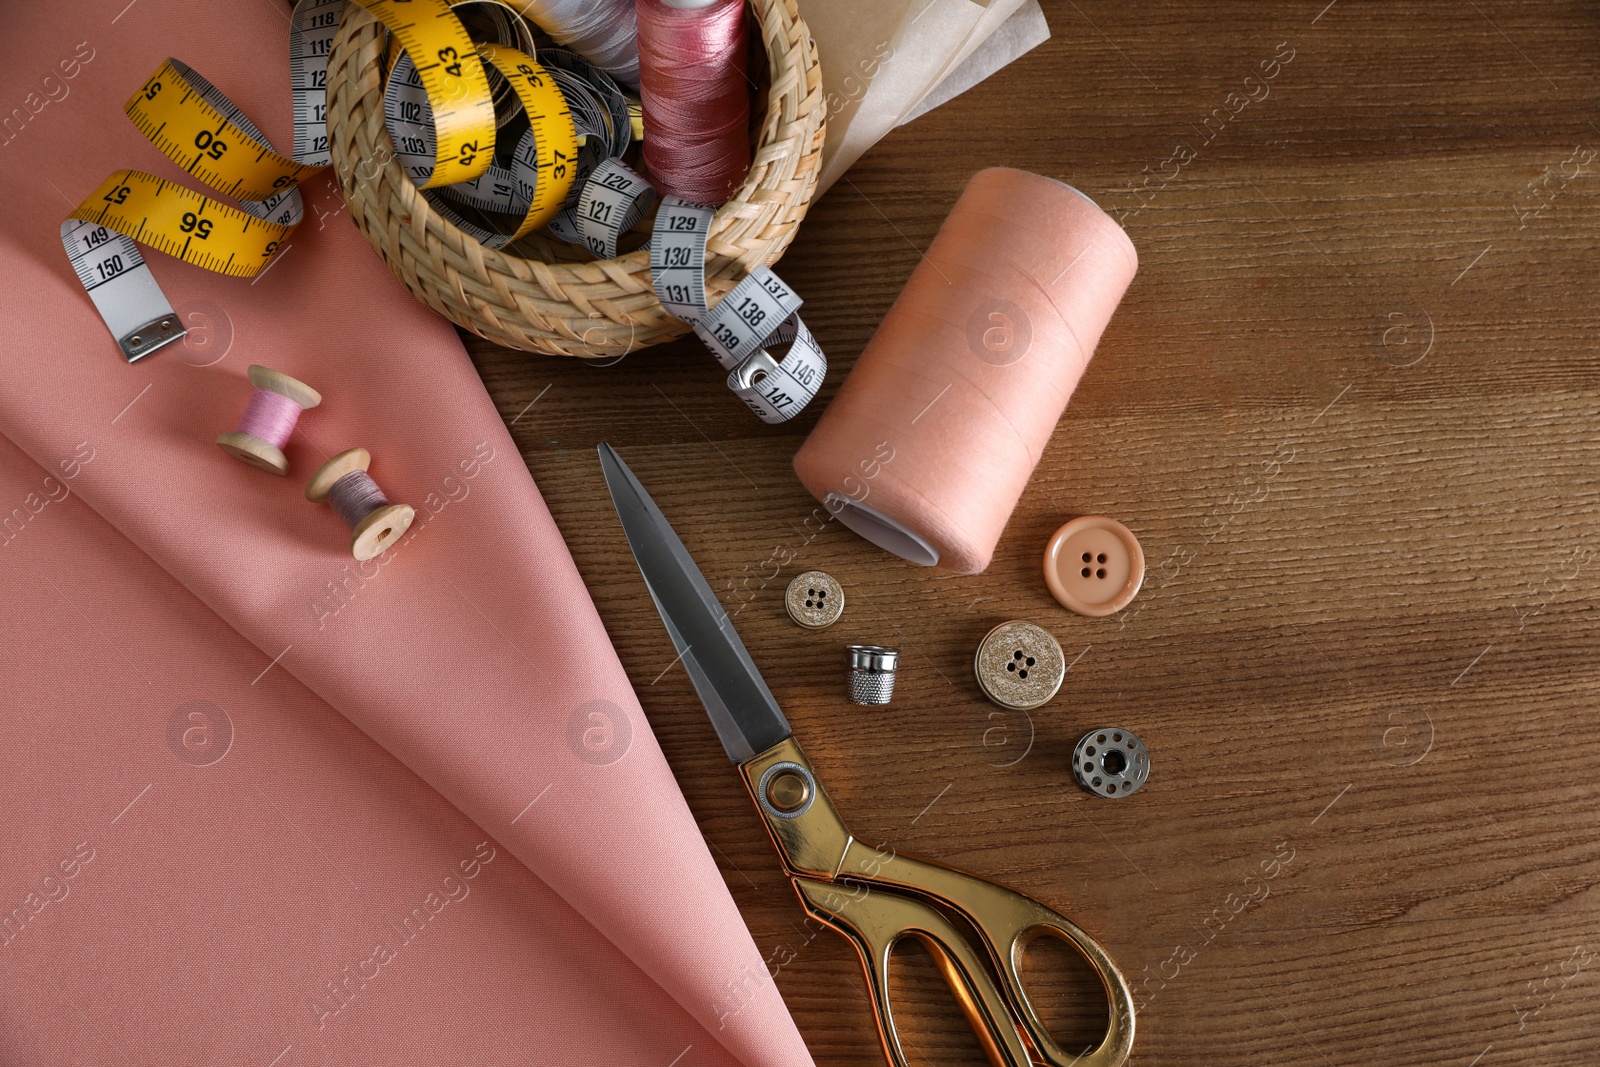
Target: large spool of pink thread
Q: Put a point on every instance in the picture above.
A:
(930, 441)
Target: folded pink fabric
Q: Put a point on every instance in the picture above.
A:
(204, 870)
(229, 897)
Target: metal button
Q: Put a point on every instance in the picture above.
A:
(1111, 763)
(1019, 665)
(1094, 566)
(814, 600)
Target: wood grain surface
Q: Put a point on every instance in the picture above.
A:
(1348, 406)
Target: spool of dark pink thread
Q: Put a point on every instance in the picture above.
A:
(695, 94)
(344, 484)
(269, 420)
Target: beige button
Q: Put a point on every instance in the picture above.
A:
(1019, 665)
(814, 600)
(1094, 566)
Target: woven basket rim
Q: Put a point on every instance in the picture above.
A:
(580, 308)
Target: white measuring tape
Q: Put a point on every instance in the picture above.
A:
(122, 288)
(311, 30)
(760, 311)
(611, 201)
(758, 314)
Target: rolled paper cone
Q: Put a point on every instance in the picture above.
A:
(929, 443)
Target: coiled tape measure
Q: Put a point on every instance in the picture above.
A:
(543, 165)
(759, 311)
(203, 132)
(440, 113)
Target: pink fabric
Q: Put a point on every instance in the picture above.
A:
(321, 892)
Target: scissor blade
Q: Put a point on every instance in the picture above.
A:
(740, 705)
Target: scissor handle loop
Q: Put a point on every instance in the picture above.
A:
(874, 921)
(1006, 922)
(876, 897)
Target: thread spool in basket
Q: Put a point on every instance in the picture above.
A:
(602, 31)
(269, 419)
(344, 484)
(545, 299)
(965, 378)
(695, 95)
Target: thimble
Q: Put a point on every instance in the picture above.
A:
(871, 673)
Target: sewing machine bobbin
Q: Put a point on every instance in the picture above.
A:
(1111, 763)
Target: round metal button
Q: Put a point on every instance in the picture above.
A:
(1019, 665)
(1111, 763)
(814, 600)
(1094, 566)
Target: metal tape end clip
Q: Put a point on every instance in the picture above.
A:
(148, 337)
(759, 366)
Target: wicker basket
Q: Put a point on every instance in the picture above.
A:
(556, 301)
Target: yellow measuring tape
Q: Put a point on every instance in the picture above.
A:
(203, 132)
(554, 135)
(175, 115)
(182, 223)
(453, 75)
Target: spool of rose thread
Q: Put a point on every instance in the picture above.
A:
(931, 439)
(695, 97)
(374, 523)
(269, 419)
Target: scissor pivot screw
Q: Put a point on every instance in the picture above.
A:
(788, 791)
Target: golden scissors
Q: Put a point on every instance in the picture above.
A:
(975, 930)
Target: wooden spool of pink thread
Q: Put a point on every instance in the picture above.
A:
(269, 419)
(930, 441)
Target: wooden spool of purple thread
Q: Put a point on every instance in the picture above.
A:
(344, 484)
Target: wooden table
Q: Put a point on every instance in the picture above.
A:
(1349, 408)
